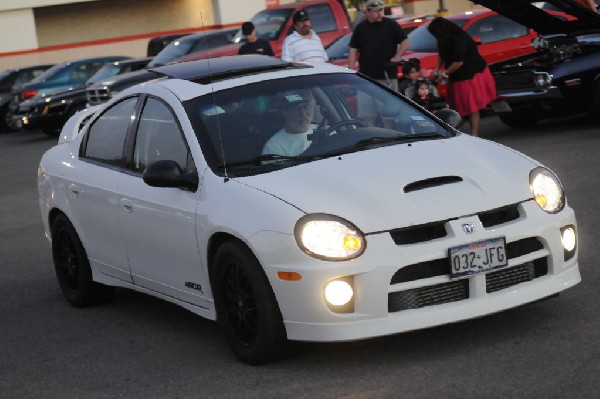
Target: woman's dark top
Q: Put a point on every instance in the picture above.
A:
(462, 48)
(260, 46)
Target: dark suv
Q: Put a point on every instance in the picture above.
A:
(562, 77)
(15, 78)
(104, 90)
(50, 112)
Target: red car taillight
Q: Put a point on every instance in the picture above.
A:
(29, 93)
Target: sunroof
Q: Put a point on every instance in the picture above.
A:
(207, 70)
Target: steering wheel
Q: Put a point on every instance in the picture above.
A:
(345, 122)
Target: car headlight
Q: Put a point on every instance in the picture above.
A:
(329, 237)
(547, 190)
(543, 79)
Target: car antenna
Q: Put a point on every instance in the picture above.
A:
(212, 89)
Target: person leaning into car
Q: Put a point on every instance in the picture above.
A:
(471, 86)
(378, 41)
(254, 44)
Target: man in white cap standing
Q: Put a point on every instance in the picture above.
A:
(378, 41)
(303, 44)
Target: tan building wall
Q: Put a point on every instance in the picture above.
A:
(117, 18)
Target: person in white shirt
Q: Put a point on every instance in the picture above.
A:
(303, 44)
(298, 109)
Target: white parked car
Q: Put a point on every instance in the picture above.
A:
(378, 218)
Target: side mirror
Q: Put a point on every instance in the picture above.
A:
(166, 173)
(477, 39)
(449, 116)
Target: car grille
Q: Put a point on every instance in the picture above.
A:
(97, 96)
(427, 296)
(441, 267)
(515, 80)
(459, 290)
(431, 231)
(501, 279)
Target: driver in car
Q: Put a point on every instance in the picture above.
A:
(297, 108)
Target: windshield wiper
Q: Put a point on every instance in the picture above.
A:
(404, 138)
(266, 158)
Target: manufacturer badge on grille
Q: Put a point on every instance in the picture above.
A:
(468, 228)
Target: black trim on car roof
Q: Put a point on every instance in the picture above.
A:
(208, 70)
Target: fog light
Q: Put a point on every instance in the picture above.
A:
(338, 292)
(568, 239)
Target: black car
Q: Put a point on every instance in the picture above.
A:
(562, 77)
(14, 78)
(50, 112)
(104, 90)
(156, 44)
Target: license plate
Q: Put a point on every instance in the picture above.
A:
(500, 106)
(477, 257)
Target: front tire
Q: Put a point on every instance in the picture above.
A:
(247, 310)
(73, 268)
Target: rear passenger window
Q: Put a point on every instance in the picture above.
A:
(321, 18)
(106, 137)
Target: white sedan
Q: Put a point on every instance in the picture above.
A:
(365, 216)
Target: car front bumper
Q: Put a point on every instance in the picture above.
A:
(382, 306)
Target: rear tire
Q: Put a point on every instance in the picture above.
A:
(513, 119)
(247, 310)
(73, 269)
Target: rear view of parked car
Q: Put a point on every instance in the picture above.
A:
(49, 112)
(14, 79)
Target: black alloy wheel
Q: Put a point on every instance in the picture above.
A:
(247, 309)
(72, 267)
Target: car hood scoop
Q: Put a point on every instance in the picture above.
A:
(405, 185)
(431, 182)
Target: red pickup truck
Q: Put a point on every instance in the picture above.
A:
(329, 20)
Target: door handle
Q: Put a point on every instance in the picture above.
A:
(74, 189)
(127, 205)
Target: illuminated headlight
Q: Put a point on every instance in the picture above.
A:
(543, 79)
(328, 237)
(547, 190)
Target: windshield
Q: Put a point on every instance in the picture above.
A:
(50, 73)
(107, 70)
(340, 48)
(175, 49)
(421, 41)
(268, 23)
(240, 128)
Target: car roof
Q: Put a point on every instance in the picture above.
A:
(195, 78)
(204, 34)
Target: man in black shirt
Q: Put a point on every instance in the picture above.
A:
(254, 45)
(378, 40)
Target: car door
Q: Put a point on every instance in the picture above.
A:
(92, 190)
(501, 38)
(159, 224)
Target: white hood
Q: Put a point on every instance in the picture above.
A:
(367, 187)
